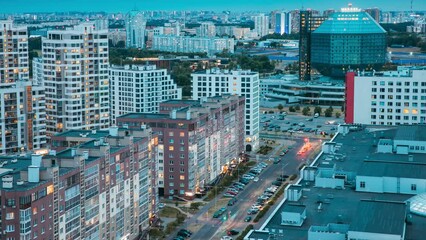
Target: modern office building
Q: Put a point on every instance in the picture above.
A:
(206, 29)
(322, 91)
(282, 23)
(388, 98)
(186, 44)
(75, 64)
(22, 103)
(309, 21)
(350, 39)
(103, 188)
(197, 141)
(261, 25)
(135, 30)
(140, 89)
(215, 82)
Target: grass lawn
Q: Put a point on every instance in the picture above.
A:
(169, 212)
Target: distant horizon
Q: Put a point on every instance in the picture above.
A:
(114, 6)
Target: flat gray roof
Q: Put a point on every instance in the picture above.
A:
(379, 217)
(294, 208)
(411, 133)
(393, 169)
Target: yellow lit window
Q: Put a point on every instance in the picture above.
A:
(171, 148)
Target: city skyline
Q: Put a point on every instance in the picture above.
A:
(218, 5)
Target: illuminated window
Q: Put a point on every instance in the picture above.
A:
(182, 177)
(182, 134)
(171, 148)
(406, 111)
(414, 111)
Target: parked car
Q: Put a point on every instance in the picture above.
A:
(247, 219)
(232, 201)
(226, 238)
(184, 231)
(277, 160)
(256, 179)
(276, 183)
(232, 232)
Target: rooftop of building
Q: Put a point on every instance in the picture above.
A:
(353, 150)
(136, 68)
(350, 22)
(411, 133)
(83, 133)
(376, 217)
(293, 79)
(219, 71)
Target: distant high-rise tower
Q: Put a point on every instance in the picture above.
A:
(261, 25)
(282, 23)
(374, 13)
(308, 23)
(135, 30)
(206, 29)
(75, 63)
(22, 110)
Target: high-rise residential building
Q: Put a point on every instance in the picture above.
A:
(38, 71)
(349, 39)
(309, 21)
(135, 30)
(22, 109)
(282, 23)
(374, 13)
(197, 141)
(388, 98)
(261, 25)
(186, 44)
(75, 64)
(140, 88)
(328, 12)
(295, 21)
(103, 188)
(215, 82)
(206, 29)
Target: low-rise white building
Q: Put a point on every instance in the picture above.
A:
(293, 215)
(140, 89)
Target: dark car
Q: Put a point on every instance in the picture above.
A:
(232, 201)
(232, 232)
(184, 233)
(247, 219)
(277, 183)
(179, 238)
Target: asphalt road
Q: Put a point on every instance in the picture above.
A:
(215, 228)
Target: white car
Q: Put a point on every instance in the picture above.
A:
(256, 179)
(226, 238)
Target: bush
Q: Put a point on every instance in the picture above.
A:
(292, 177)
(271, 112)
(297, 108)
(329, 112)
(195, 205)
(306, 111)
(291, 109)
(338, 114)
(280, 107)
(318, 110)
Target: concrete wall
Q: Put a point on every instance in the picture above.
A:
(421, 145)
(372, 184)
(405, 185)
(329, 182)
(372, 236)
(326, 235)
(390, 184)
(290, 218)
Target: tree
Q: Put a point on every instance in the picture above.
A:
(292, 109)
(329, 112)
(318, 110)
(280, 107)
(306, 111)
(297, 108)
(338, 114)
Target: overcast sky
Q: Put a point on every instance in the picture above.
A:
(15, 6)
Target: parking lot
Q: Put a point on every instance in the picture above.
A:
(289, 124)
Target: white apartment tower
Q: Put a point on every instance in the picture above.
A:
(261, 25)
(135, 30)
(22, 109)
(140, 89)
(75, 63)
(206, 29)
(215, 82)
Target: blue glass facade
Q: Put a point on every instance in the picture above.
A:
(348, 40)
